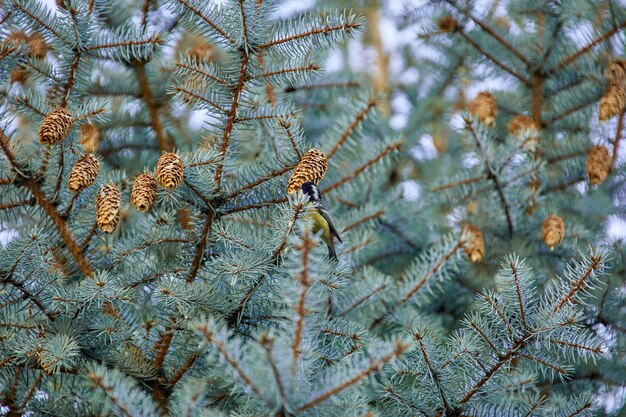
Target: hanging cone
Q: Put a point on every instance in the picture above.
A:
(521, 124)
(311, 168)
(613, 102)
(84, 173)
(552, 231)
(55, 127)
(108, 203)
(474, 245)
(447, 24)
(598, 164)
(616, 72)
(144, 192)
(485, 108)
(89, 137)
(169, 170)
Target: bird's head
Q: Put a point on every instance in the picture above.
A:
(311, 190)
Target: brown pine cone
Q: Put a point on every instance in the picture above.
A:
(473, 243)
(521, 124)
(311, 168)
(202, 51)
(598, 164)
(108, 203)
(613, 102)
(616, 71)
(89, 137)
(552, 231)
(55, 127)
(84, 173)
(485, 108)
(144, 192)
(169, 170)
(447, 24)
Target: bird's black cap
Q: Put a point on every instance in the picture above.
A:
(311, 190)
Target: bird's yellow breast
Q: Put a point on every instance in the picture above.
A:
(319, 223)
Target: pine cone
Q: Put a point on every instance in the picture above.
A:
(108, 203)
(38, 46)
(521, 124)
(613, 102)
(311, 168)
(83, 173)
(169, 170)
(55, 127)
(89, 137)
(616, 71)
(485, 108)
(474, 245)
(598, 164)
(202, 51)
(144, 192)
(447, 24)
(552, 231)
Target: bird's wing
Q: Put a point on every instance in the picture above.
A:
(321, 208)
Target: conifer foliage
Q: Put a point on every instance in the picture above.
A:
(158, 257)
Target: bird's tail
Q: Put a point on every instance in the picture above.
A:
(331, 250)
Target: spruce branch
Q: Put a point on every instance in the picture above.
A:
(492, 175)
(304, 246)
(617, 138)
(371, 103)
(597, 262)
(387, 150)
(34, 187)
(434, 376)
(493, 59)
(219, 345)
(491, 32)
(432, 271)
(325, 30)
(400, 347)
(207, 20)
(145, 90)
(574, 56)
(232, 115)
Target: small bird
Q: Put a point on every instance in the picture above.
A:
(321, 218)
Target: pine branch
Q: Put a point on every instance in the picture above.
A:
(581, 283)
(500, 64)
(349, 84)
(518, 290)
(146, 92)
(267, 344)
(357, 120)
(498, 312)
(287, 126)
(108, 390)
(417, 286)
(208, 334)
(305, 246)
(232, 116)
(365, 219)
(374, 365)
(433, 373)
(200, 72)
(156, 39)
(201, 244)
(199, 97)
(34, 187)
(618, 137)
(457, 183)
(388, 149)
(207, 21)
(323, 30)
(493, 176)
(492, 33)
(234, 316)
(482, 335)
(191, 359)
(571, 58)
(363, 299)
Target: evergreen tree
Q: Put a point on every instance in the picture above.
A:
(160, 259)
